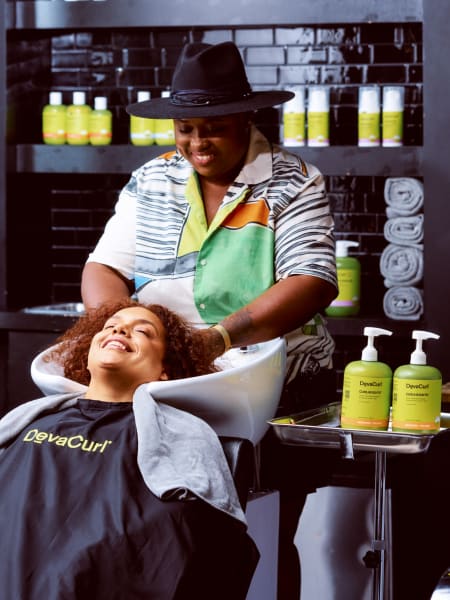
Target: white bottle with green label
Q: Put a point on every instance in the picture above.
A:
(100, 123)
(294, 118)
(417, 390)
(348, 270)
(164, 134)
(54, 121)
(318, 116)
(142, 130)
(78, 120)
(366, 392)
(369, 116)
(392, 121)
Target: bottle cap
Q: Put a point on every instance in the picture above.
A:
(318, 99)
(297, 103)
(143, 95)
(418, 357)
(370, 352)
(55, 98)
(369, 99)
(79, 98)
(100, 103)
(393, 99)
(342, 247)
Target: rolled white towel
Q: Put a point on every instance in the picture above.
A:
(401, 265)
(403, 303)
(406, 231)
(403, 196)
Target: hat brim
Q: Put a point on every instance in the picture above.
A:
(162, 108)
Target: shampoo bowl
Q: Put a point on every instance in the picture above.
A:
(237, 401)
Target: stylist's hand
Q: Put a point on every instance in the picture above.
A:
(212, 340)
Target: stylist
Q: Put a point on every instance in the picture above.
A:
(230, 231)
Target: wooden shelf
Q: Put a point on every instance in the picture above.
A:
(334, 160)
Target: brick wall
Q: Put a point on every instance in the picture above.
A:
(119, 62)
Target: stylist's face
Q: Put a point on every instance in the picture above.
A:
(215, 146)
(132, 342)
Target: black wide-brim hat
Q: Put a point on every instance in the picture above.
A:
(208, 81)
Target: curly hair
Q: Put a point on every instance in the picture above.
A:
(185, 354)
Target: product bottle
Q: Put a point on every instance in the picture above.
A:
(318, 116)
(416, 394)
(78, 120)
(393, 106)
(164, 135)
(366, 392)
(349, 282)
(100, 123)
(294, 119)
(369, 116)
(54, 120)
(142, 131)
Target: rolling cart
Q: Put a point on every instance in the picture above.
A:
(320, 428)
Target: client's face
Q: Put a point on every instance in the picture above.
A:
(131, 343)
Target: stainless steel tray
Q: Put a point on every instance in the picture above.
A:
(321, 428)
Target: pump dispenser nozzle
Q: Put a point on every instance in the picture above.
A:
(418, 357)
(342, 247)
(370, 353)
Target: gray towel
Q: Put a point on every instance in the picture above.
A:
(406, 231)
(403, 196)
(179, 455)
(401, 265)
(403, 303)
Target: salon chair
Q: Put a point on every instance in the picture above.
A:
(240, 456)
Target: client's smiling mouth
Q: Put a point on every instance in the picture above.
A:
(116, 344)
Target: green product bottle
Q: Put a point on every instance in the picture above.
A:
(349, 282)
(393, 107)
(164, 134)
(294, 119)
(366, 391)
(369, 116)
(319, 116)
(78, 120)
(100, 123)
(417, 391)
(54, 121)
(142, 131)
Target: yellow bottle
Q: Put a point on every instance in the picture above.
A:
(78, 120)
(366, 391)
(54, 121)
(416, 397)
(164, 134)
(294, 119)
(319, 116)
(100, 123)
(142, 131)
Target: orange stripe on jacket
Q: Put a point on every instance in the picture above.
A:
(253, 212)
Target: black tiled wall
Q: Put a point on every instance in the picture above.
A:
(117, 63)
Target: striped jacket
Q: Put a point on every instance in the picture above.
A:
(274, 222)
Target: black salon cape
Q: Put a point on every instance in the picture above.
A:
(77, 520)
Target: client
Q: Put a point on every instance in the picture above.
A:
(109, 495)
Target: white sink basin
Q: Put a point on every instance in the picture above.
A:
(236, 401)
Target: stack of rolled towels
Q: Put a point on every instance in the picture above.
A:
(401, 262)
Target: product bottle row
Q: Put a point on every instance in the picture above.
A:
(305, 119)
